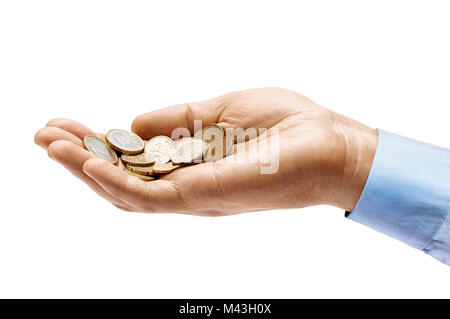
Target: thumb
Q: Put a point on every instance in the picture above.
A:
(164, 121)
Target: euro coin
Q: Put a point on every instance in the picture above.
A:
(99, 147)
(124, 141)
(142, 159)
(210, 132)
(188, 150)
(141, 170)
(145, 178)
(164, 168)
(161, 147)
(218, 149)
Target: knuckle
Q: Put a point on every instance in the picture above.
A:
(136, 125)
(122, 188)
(191, 115)
(189, 111)
(148, 202)
(178, 197)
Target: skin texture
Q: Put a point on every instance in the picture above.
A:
(324, 158)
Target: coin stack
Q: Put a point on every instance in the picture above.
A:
(161, 154)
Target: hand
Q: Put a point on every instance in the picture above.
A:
(324, 157)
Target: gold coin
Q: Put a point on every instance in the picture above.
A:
(124, 141)
(210, 132)
(142, 159)
(99, 147)
(218, 149)
(145, 178)
(188, 150)
(164, 168)
(141, 170)
(161, 147)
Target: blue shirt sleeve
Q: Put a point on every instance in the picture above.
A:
(407, 194)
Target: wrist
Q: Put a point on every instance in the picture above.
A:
(360, 143)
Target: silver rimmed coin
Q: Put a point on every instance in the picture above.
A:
(210, 132)
(218, 149)
(161, 147)
(124, 141)
(99, 147)
(188, 150)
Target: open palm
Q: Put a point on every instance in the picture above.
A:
(313, 151)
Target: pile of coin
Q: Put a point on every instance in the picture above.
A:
(161, 154)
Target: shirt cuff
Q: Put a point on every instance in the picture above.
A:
(407, 194)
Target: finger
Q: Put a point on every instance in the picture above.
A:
(220, 187)
(155, 196)
(126, 209)
(45, 136)
(164, 121)
(237, 183)
(114, 180)
(72, 158)
(77, 129)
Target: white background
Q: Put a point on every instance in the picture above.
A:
(384, 63)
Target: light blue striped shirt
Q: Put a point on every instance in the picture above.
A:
(407, 194)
